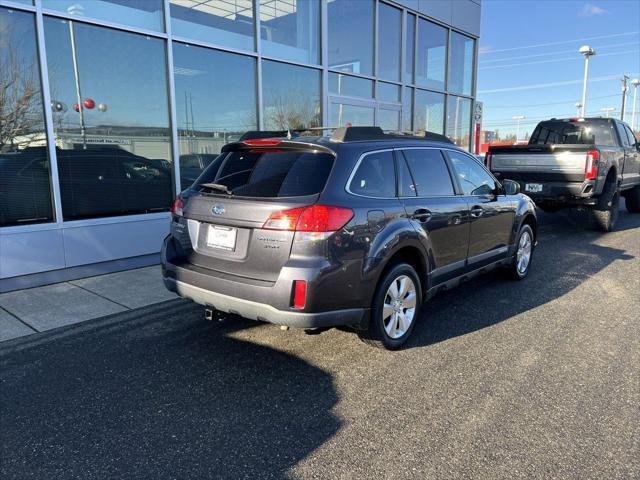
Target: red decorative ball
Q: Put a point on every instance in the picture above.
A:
(76, 107)
(89, 103)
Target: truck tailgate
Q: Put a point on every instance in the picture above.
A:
(559, 162)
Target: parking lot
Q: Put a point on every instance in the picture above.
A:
(501, 379)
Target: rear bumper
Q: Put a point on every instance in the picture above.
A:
(256, 299)
(263, 312)
(560, 193)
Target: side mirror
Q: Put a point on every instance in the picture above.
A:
(510, 187)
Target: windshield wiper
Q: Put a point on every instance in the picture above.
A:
(217, 186)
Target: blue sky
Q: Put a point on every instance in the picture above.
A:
(529, 62)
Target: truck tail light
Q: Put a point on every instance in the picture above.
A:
(176, 208)
(591, 168)
(299, 294)
(315, 218)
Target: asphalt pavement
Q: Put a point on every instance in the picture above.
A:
(531, 379)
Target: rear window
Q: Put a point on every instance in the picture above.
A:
(573, 133)
(264, 173)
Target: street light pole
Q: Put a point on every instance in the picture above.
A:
(624, 80)
(587, 51)
(517, 118)
(635, 82)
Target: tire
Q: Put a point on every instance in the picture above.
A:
(521, 263)
(632, 200)
(388, 327)
(604, 216)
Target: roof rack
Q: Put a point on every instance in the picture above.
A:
(354, 134)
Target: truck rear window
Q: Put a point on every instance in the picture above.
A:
(264, 173)
(591, 132)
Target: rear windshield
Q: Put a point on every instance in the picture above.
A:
(574, 133)
(264, 173)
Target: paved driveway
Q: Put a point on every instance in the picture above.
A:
(536, 379)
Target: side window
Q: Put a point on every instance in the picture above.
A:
(375, 176)
(632, 138)
(406, 187)
(430, 172)
(474, 179)
(623, 134)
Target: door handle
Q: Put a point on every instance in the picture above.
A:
(477, 211)
(422, 215)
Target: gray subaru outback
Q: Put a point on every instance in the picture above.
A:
(356, 229)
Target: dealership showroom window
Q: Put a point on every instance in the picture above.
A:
(112, 107)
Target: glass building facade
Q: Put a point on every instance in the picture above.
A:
(110, 107)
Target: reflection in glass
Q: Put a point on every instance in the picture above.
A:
(25, 180)
(341, 84)
(346, 115)
(291, 96)
(222, 22)
(432, 54)
(407, 109)
(459, 120)
(388, 92)
(409, 52)
(429, 112)
(215, 104)
(111, 120)
(290, 29)
(389, 119)
(389, 41)
(134, 13)
(461, 64)
(351, 36)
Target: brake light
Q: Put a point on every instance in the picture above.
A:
(316, 218)
(176, 208)
(591, 168)
(262, 142)
(299, 293)
(487, 160)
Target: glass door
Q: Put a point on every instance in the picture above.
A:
(389, 117)
(350, 112)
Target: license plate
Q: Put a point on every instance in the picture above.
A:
(533, 187)
(222, 237)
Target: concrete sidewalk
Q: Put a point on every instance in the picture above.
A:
(25, 312)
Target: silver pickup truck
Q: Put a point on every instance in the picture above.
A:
(576, 162)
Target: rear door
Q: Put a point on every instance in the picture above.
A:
(427, 192)
(226, 231)
(631, 172)
(491, 215)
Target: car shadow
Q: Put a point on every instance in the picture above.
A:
(167, 395)
(565, 257)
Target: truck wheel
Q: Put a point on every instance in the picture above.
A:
(395, 309)
(604, 215)
(519, 267)
(632, 199)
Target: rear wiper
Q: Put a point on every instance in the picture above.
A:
(217, 186)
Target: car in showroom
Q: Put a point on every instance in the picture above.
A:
(356, 229)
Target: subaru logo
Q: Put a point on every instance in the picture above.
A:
(218, 210)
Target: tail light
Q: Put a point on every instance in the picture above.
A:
(316, 218)
(299, 293)
(176, 208)
(591, 168)
(487, 160)
(263, 142)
